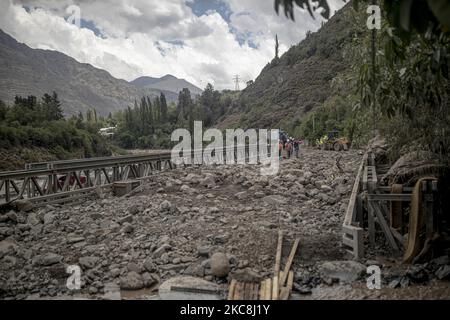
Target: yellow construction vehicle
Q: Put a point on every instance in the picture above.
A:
(332, 141)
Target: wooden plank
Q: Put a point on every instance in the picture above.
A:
(262, 290)
(256, 291)
(278, 254)
(389, 197)
(284, 293)
(289, 263)
(231, 289)
(384, 226)
(275, 288)
(268, 295)
(349, 214)
(290, 281)
(239, 291)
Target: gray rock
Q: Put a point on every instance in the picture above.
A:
(302, 289)
(88, 262)
(275, 200)
(132, 281)
(72, 240)
(440, 261)
(23, 205)
(149, 265)
(345, 271)
(48, 218)
(134, 209)
(203, 251)
(161, 250)
(149, 279)
(165, 206)
(131, 266)
(8, 247)
(220, 265)
(32, 219)
(443, 272)
(49, 259)
(247, 275)
(96, 216)
(128, 228)
(12, 216)
(127, 218)
(417, 273)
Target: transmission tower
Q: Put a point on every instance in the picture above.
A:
(236, 81)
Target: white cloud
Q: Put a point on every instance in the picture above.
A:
(139, 36)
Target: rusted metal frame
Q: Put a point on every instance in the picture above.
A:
(106, 175)
(37, 186)
(77, 180)
(66, 184)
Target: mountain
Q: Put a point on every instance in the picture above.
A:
(168, 83)
(25, 71)
(296, 83)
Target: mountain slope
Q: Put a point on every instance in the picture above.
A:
(26, 71)
(291, 86)
(168, 83)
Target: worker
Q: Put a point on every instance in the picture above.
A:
(289, 148)
(280, 148)
(296, 147)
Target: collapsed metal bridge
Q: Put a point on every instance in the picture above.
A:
(59, 181)
(68, 180)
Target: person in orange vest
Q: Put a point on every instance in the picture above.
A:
(289, 148)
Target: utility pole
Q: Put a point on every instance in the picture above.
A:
(276, 46)
(236, 81)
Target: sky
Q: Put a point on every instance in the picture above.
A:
(202, 41)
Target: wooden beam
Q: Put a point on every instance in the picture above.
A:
(276, 271)
(384, 226)
(289, 263)
(278, 253)
(275, 288)
(231, 289)
(268, 288)
(389, 197)
(262, 290)
(239, 291)
(349, 214)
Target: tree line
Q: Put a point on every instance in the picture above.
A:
(33, 123)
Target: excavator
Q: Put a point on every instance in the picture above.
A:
(333, 141)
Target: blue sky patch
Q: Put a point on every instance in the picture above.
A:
(201, 7)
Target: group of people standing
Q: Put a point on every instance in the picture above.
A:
(291, 146)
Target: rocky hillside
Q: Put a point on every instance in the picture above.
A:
(25, 71)
(297, 82)
(167, 83)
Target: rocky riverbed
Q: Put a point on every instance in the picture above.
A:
(210, 222)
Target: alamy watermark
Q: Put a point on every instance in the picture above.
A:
(74, 13)
(239, 147)
(374, 279)
(74, 280)
(374, 18)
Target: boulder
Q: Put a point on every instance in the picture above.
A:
(132, 281)
(49, 259)
(345, 271)
(220, 265)
(88, 262)
(23, 205)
